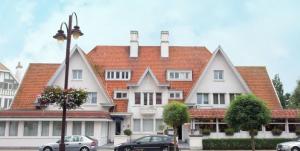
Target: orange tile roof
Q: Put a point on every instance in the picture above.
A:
(258, 80)
(35, 79)
(180, 57)
(220, 113)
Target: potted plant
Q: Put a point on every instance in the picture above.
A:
(128, 133)
(229, 131)
(206, 131)
(297, 131)
(276, 131)
(254, 132)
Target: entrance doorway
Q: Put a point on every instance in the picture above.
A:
(118, 127)
(179, 133)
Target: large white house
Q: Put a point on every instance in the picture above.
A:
(128, 87)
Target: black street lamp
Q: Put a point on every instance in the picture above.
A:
(60, 36)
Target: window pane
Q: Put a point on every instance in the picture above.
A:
(158, 98)
(112, 75)
(137, 97)
(222, 98)
(147, 125)
(216, 99)
(30, 128)
(150, 98)
(221, 74)
(231, 96)
(205, 98)
(79, 74)
(119, 95)
(176, 75)
(45, 128)
(136, 125)
(177, 95)
(216, 75)
(117, 75)
(76, 128)
(89, 128)
(199, 98)
(145, 98)
(13, 128)
(156, 139)
(74, 73)
(172, 95)
(56, 128)
(94, 97)
(171, 75)
(159, 125)
(108, 75)
(2, 128)
(123, 75)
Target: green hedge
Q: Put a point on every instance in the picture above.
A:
(239, 144)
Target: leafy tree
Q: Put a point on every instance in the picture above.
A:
(248, 113)
(295, 98)
(279, 89)
(55, 95)
(175, 114)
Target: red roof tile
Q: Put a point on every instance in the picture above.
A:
(258, 80)
(220, 113)
(35, 79)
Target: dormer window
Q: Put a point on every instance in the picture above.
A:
(219, 75)
(176, 95)
(120, 95)
(117, 75)
(179, 75)
(77, 74)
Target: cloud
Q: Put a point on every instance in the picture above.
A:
(25, 10)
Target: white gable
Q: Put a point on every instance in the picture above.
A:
(232, 83)
(89, 81)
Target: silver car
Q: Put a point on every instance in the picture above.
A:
(289, 146)
(73, 143)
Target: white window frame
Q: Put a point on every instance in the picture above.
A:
(90, 103)
(217, 77)
(208, 100)
(122, 92)
(181, 74)
(108, 74)
(174, 93)
(219, 99)
(77, 71)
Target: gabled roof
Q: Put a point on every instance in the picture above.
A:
(258, 80)
(3, 67)
(34, 81)
(148, 71)
(61, 68)
(236, 73)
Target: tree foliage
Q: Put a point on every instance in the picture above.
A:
(295, 98)
(55, 95)
(279, 89)
(248, 113)
(175, 114)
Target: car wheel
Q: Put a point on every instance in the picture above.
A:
(84, 149)
(47, 149)
(127, 149)
(295, 149)
(165, 149)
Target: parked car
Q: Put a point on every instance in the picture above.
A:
(73, 143)
(149, 143)
(289, 146)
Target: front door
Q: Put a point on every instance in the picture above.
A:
(179, 132)
(118, 127)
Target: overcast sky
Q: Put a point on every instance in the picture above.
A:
(251, 32)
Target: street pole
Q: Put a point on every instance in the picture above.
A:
(63, 125)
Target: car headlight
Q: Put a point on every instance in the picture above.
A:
(284, 147)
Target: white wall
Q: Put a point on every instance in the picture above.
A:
(88, 82)
(230, 84)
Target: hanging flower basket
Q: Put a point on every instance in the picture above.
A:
(74, 98)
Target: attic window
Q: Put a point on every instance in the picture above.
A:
(175, 95)
(219, 75)
(179, 75)
(120, 95)
(117, 75)
(77, 74)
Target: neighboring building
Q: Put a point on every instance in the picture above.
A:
(8, 87)
(128, 87)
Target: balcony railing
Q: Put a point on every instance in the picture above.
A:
(7, 92)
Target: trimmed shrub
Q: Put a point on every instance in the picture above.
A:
(127, 132)
(254, 132)
(241, 144)
(297, 131)
(229, 131)
(206, 131)
(276, 132)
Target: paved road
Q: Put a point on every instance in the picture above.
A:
(111, 150)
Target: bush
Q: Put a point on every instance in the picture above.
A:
(254, 133)
(229, 131)
(127, 132)
(206, 131)
(297, 131)
(276, 132)
(241, 144)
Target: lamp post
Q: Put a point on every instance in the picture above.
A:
(60, 36)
